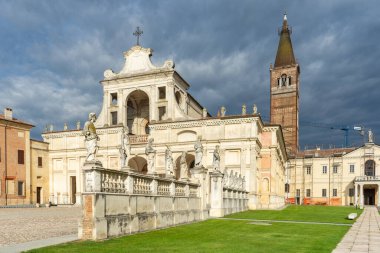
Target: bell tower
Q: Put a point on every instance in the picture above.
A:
(284, 89)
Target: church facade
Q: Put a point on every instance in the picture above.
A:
(153, 102)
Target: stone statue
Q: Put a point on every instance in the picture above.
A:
(244, 110)
(204, 113)
(78, 125)
(216, 159)
(370, 136)
(91, 138)
(183, 166)
(254, 109)
(223, 111)
(65, 127)
(168, 162)
(125, 148)
(151, 153)
(198, 152)
(51, 128)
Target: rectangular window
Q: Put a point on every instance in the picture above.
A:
(352, 168)
(335, 169)
(20, 189)
(161, 92)
(324, 193)
(40, 161)
(298, 192)
(287, 188)
(307, 192)
(113, 118)
(308, 170)
(324, 169)
(335, 192)
(20, 156)
(113, 98)
(351, 192)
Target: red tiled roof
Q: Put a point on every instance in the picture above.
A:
(15, 120)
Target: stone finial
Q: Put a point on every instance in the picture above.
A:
(204, 113)
(243, 109)
(218, 114)
(65, 127)
(223, 111)
(254, 109)
(78, 125)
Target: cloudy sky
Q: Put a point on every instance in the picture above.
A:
(53, 55)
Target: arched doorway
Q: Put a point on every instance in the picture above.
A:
(138, 112)
(369, 168)
(138, 164)
(190, 159)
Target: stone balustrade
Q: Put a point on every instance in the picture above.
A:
(116, 203)
(233, 181)
(113, 181)
(137, 139)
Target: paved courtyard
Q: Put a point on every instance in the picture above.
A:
(364, 235)
(20, 225)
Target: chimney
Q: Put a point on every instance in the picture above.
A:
(8, 113)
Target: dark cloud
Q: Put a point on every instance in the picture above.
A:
(53, 54)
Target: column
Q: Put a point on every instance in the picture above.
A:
(216, 209)
(378, 194)
(355, 194)
(200, 175)
(361, 196)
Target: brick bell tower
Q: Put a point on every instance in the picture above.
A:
(284, 89)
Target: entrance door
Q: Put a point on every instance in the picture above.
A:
(369, 196)
(39, 195)
(73, 189)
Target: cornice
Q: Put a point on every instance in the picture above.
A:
(76, 133)
(201, 122)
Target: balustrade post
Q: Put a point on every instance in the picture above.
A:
(187, 190)
(129, 184)
(216, 194)
(172, 189)
(92, 180)
(154, 186)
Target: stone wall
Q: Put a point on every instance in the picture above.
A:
(118, 203)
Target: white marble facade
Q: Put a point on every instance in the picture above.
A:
(154, 101)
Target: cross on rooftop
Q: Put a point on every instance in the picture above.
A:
(138, 33)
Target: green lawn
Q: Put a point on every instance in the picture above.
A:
(334, 214)
(233, 235)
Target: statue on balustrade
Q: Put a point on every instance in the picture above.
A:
(125, 148)
(151, 154)
(169, 162)
(183, 166)
(216, 159)
(198, 153)
(91, 137)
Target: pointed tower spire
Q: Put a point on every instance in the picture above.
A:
(285, 55)
(284, 90)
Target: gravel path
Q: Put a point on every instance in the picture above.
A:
(19, 225)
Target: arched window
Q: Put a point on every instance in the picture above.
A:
(369, 169)
(138, 112)
(284, 80)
